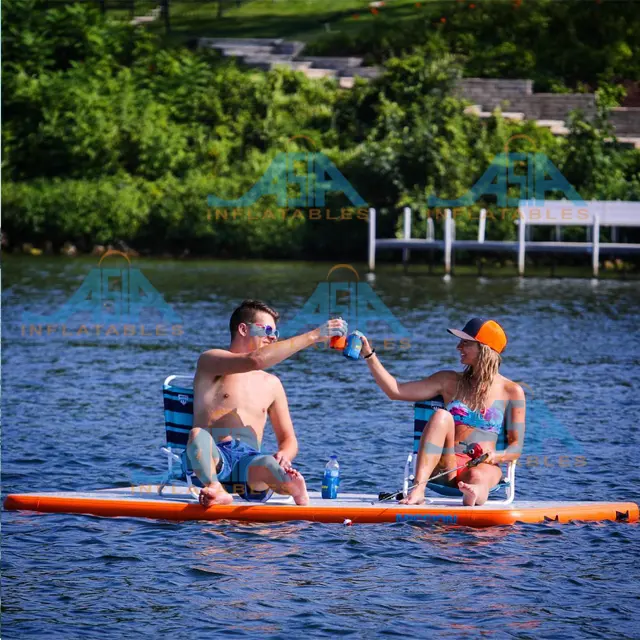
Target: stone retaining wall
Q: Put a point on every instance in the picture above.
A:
(518, 96)
(626, 120)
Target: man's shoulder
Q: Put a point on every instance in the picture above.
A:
(211, 354)
(215, 351)
(270, 378)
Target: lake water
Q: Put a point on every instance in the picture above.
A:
(85, 411)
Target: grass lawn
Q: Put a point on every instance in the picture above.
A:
(290, 19)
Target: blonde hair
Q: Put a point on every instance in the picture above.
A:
(474, 383)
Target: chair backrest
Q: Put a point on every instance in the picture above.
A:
(178, 410)
(422, 412)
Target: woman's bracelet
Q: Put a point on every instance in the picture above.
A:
(372, 352)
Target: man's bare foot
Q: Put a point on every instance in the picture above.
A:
(214, 494)
(297, 487)
(416, 496)
(469, 494)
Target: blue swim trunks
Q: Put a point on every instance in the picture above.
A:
(235, 458)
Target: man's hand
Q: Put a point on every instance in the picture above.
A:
(283, 460)
(332, 328)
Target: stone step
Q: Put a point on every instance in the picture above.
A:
(244, 51)
(557, 127)
(298, 65)
(142, 19)
(292, 47)
(314, 73)
(269, 62)
(507, 115)
(333, 63)
(632, 140)
(364, 72)
(550, 123)
(240, 42)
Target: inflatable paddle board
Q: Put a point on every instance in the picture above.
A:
(176, 503)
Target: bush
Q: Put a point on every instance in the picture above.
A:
(86, 212)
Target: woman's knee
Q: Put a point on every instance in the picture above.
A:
(489, 476)
(440, 426)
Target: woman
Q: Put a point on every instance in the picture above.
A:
(476, 402)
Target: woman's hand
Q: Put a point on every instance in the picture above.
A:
(493, 457)
(366, 347)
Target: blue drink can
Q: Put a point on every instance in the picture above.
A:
(353, 346)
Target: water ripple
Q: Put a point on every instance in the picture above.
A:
(88, 414)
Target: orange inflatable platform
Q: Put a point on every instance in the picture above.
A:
(176, 503)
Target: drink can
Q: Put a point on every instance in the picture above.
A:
(353, 346)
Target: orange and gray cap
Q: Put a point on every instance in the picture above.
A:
(487, 332)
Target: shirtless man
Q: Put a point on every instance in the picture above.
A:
(233, 396)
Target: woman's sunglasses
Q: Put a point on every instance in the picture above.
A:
(262, 330)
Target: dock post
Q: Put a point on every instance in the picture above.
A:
(522, 225)
(596, 244)
(406, 235)
(431, 235)
(447, 241)
(431, 230)
(372, 239)
(482, 225)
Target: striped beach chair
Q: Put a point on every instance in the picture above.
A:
(178, 418)
(422, 413)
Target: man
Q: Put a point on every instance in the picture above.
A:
(233, 396)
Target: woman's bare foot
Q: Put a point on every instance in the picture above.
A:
(214, 494)
(297, 487)
(416, 496)
(469, 494)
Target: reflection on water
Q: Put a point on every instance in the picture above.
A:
(87, 413)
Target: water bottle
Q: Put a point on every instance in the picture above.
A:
(353, 346)
(331, 479)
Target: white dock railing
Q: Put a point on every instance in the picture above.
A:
(557, 213)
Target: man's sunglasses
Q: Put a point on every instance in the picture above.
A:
(262, 330)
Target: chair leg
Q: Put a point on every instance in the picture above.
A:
(167, 478)
(511, 491)
(409, 474)
(163, 485)
(193, 490)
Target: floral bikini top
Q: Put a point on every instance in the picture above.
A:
(490, 419)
